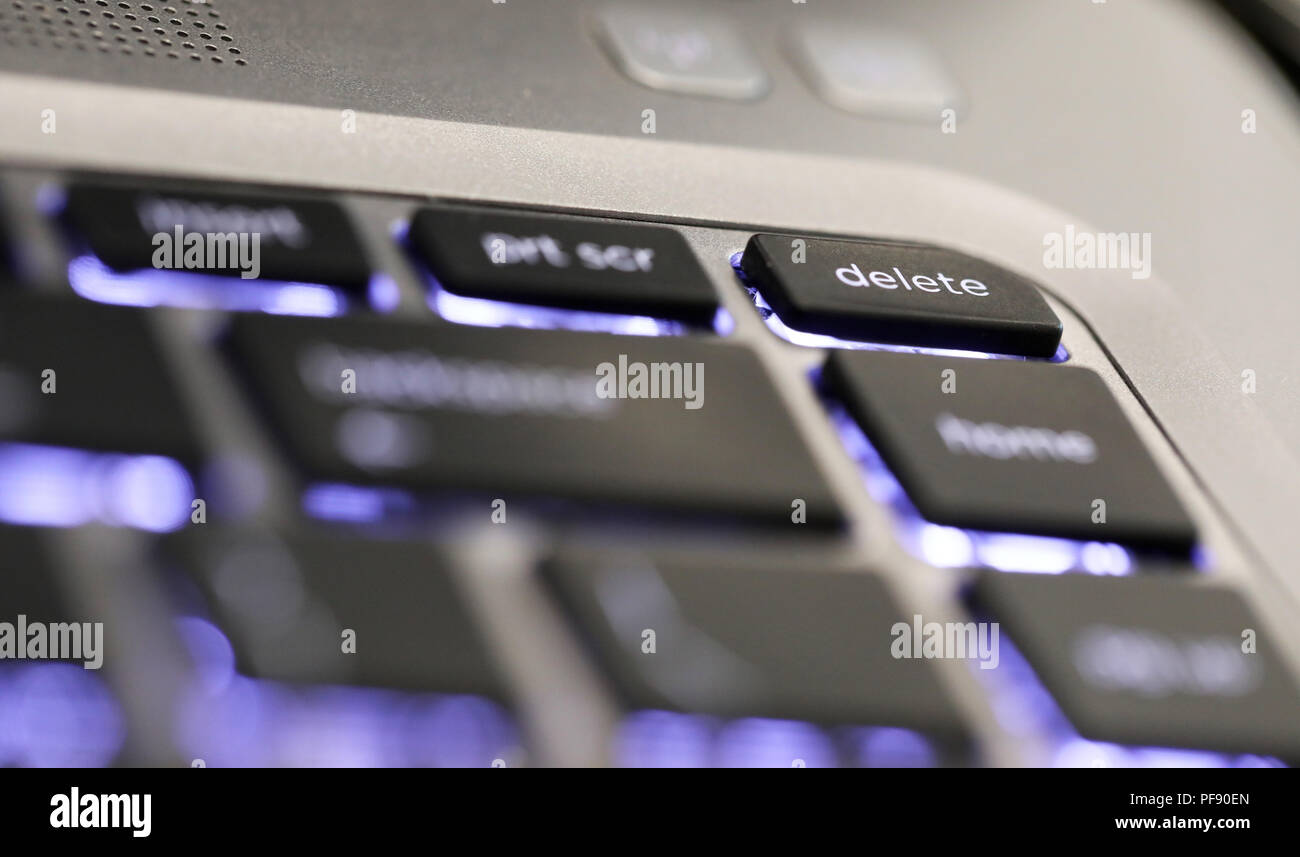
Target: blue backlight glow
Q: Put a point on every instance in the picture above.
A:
(355, 504)
(56, 714)
(668, 739)
(384, 293)
(95, 281)
(229, 720)
(488, 313)
(59, 487)
(755, 742)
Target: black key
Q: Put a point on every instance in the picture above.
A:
(750, 637)
(568, 262)
(38, 622)
(285, 600)
(879, 291)
(55, 704)
(300, 239)
(81, 375)
(519, 412)
(1016, 446)
(1150, 661)
(29, 587)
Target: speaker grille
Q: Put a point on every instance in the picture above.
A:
(189, 30)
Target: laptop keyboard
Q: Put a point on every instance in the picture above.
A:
(768, 494)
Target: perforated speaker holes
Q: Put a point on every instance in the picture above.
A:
(190, 30)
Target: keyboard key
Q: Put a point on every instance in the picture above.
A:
(567, 262)
(76, 374)
(750, 637)
(681, 52)
(520, 412)
(874, 72)
(908, 294)
(1012, 446)
(285, 599)
(299, 239)
(29, 586)
(346, 653)
(1150, 661)
(55, 706)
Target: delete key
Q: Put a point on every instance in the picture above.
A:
(904, 294)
